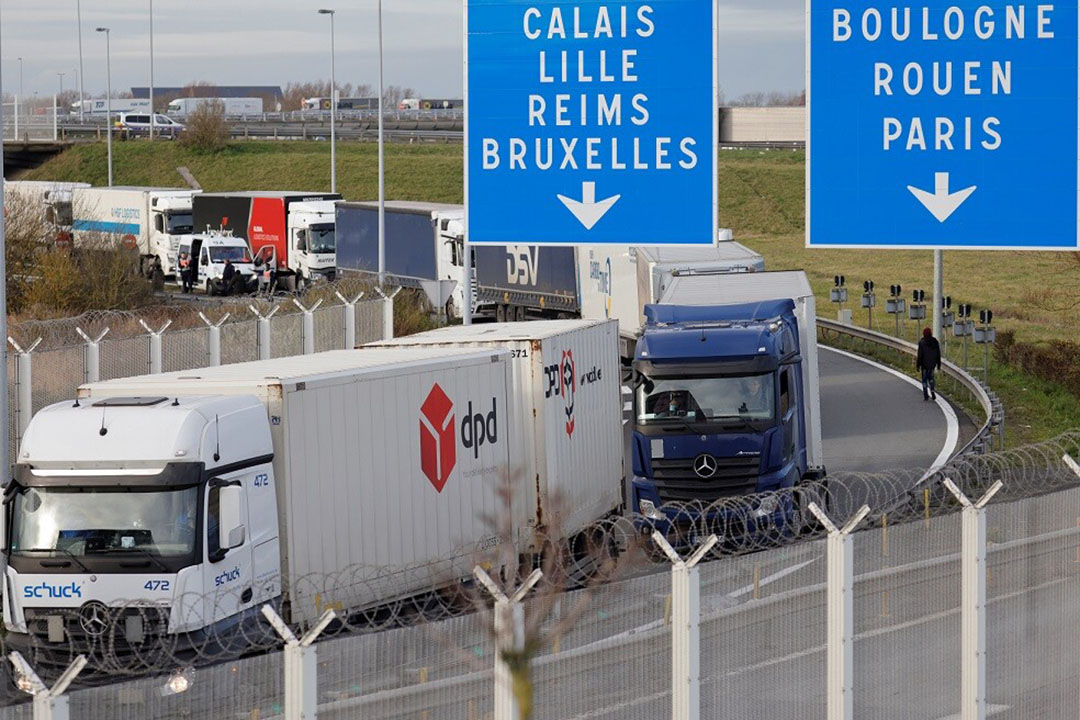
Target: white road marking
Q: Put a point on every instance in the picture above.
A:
(952, 426)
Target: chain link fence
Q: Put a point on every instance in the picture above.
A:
(606, 650)
(60, 363)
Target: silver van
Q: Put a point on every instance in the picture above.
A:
(139, 124)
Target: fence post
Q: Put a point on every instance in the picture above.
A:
(24, 376)
(840, 625)
(213, 339)
(263, 333)
(509, 637)
(685, 628)
(49, 703)
(301, 668)
(155, 346)
(92, 356)
(349, 321)
(308, 334)
(388, 312)
(973, 602)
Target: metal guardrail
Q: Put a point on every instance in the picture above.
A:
(960, 379)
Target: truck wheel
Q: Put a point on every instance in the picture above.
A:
(210, 288)
(500, 313)
(519, 313)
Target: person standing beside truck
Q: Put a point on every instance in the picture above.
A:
(927, 360)
(185, 273)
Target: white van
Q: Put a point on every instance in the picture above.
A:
(139, 124)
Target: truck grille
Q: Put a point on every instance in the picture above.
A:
(676, 480)
(95, 629)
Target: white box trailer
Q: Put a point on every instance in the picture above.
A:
(739, 289)
(149, 219)
(232, 106)
(619, 281)
(567, 419)
(357, 476)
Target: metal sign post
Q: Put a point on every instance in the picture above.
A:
(599, 125)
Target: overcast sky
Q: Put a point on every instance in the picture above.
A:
(273, 42)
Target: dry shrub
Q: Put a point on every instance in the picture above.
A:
(1055, 361)
(101, 276)
(207, 130)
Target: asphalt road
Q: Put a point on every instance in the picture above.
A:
(873, 420)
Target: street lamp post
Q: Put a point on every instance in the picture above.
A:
(151, 70)
(78, 18)
(4, 459)
(382, 187)
(108, 101)
(333, 106)
(61, 76)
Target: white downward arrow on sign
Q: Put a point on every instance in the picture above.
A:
(941, 203)
(589, 211)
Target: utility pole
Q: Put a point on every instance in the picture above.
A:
(151, 70)
(82, 94)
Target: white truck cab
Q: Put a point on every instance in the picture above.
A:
(312, 241)
(209, 253)
(141, 513)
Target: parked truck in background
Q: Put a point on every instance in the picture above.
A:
(597, 282)
(45, 202)
(150, 219)
(567, 417)
(114, 106)
(232, 106)
(726, 394)
(356, 103)
(172, 507)
(293, 231)
(424, 242)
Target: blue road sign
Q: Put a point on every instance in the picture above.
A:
(943, 124)
(590, 122)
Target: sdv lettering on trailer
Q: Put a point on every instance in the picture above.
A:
(45, 590)
(522, 264)
(227, 577)
(478, 429)
(157, 585)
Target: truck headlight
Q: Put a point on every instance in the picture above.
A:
(648, 509)
(767, 506)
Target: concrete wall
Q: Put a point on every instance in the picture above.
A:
(762, 124)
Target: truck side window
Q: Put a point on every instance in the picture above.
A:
(213, 514)
(785, 391)
(301, 240)
(159, 223)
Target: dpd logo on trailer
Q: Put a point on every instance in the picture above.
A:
(438, 450)
(562, 380)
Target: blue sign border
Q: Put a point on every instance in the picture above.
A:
(714, 154)
(928, 182)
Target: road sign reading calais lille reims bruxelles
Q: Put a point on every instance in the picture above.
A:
(590, 122)
(942, 125)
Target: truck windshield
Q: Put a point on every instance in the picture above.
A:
(721, 400)
(179, 224)
(85, 521)
(321, 239)
(236, 254)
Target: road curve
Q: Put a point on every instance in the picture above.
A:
(873, 419)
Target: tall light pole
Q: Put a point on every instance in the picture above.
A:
(108, 100)
(333, 106)
(151, 70)
(382, 187)
(20, 81)
(5, 467)
(61, 76)
(78, 18)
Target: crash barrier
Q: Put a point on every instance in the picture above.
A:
(872, 596)
(955, 382)
(48, 361)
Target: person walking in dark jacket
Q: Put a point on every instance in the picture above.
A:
(928, 360)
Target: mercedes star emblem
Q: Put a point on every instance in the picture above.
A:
(705, 466)
(94, 618)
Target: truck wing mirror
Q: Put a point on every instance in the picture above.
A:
(231, 531)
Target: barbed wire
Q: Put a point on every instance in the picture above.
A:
(140, 637)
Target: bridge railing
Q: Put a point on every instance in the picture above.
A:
(961, 384)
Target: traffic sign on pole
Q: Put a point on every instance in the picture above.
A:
(590, 122)
(944, 125)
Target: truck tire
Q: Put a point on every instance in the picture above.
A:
(500, 313)
(210, 288)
